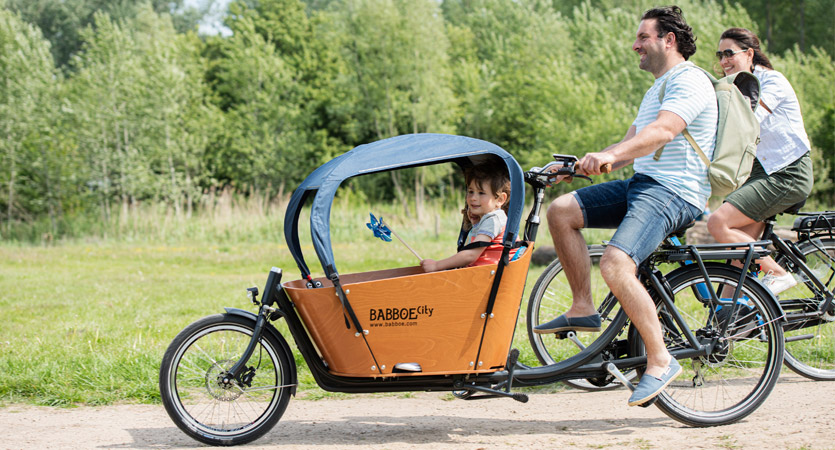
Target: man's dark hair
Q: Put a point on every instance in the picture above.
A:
(668, 19)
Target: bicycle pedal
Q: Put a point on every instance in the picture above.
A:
(614, 371)
(649, 402)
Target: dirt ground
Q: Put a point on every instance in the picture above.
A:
(799, 414)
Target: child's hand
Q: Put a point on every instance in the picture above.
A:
(429, 265)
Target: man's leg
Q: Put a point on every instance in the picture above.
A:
(618, 269)
(565, 220)
(601, 205)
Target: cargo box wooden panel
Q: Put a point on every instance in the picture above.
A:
(432, 319)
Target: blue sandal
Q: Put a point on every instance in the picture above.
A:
(562, 323)
(651, 386)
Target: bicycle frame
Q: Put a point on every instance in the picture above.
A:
(588, 363)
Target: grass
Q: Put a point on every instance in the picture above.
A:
(87, 321)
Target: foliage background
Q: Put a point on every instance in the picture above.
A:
(114, 110)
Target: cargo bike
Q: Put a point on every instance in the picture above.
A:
(227, 379)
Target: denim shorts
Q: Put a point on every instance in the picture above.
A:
(643, 211)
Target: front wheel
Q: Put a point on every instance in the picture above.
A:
(207, 409)
(731, 382)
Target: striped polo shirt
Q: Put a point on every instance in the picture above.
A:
(689, 94)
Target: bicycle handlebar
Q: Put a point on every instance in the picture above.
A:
(546, 176)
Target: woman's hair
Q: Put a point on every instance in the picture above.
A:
(490, 174)
(746, 39)
(669, 20)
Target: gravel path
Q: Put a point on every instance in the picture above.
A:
(799, 414)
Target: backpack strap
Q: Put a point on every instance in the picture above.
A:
(693, 143)
(685, 133)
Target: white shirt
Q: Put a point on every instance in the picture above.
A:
(690, 95)
(783, 138)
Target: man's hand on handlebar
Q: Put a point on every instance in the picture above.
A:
(564, 168)
(559, 173)
(595, 163)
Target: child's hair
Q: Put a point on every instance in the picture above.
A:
(491, 174)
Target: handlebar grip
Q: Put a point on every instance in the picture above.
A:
(606, 168)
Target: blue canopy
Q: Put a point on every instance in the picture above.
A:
(398, 152)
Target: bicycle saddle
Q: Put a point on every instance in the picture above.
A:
(679, 233)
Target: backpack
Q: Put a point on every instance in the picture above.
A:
(737, 134)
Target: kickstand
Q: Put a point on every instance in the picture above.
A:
(612, 369)
(512, 359)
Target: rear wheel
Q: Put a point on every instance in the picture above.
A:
(733, 381)
(203, 406)
(810, 344)
(550, 297)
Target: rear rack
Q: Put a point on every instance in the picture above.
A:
(712, 252)
(815, 224)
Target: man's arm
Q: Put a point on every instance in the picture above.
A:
(663, 130)
(630, 133)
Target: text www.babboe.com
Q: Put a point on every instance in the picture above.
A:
(392, 324)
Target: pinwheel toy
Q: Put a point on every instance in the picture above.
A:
(382, 231)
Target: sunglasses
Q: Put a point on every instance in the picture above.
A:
(728, 53)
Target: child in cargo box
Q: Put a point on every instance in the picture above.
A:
(488, 190)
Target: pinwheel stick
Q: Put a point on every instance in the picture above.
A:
(401, 239)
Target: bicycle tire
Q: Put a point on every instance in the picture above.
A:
(550, 297)
(810, 349)
(213, 413)
(733, 381)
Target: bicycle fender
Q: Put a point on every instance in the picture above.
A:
(283, 342)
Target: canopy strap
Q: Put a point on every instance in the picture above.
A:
(503, 261)
(494, 290)
(346, 305)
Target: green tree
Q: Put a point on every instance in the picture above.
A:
(63, 21)
(106, 82)
(265, 142)
(140, 106)
(177, 121)
(399, 70)
(521, 85)
(812, 76)
(309, 47)
(26, 92)
(782, 24)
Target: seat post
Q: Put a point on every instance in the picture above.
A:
(769, 228)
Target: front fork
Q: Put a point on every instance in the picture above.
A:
(265, 313)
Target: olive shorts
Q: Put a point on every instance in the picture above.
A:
(763, 195)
